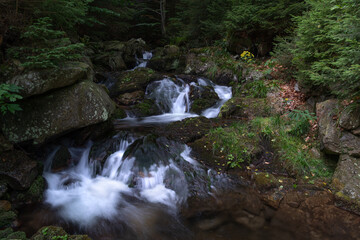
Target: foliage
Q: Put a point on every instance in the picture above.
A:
(9, 95)
(256, 89)
(327, 46)
(231, 142)
(298, 161)
(301, 121)
(46, 47)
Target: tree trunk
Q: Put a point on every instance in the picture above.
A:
(163, 16)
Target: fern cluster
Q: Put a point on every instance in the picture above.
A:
(45, 47)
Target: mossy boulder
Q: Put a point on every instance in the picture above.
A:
(53, 232)
(17, 169)
(202, 97)
(167, 59)
(245, 108)
(66, 109)
(132, 81)
(41, 81)
(36, 190)
(148, 107)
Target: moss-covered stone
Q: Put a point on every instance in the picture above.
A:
(77, 106)
(132, 81)
(146, 108)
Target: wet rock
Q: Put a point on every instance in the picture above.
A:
(245, 108)
(119, 113)
(350, 119)
(61, 159)
(132, 81)
(53, 232)
(114, 46)
(202, 97)
(17, 169)
(77, 106)
(130, 98)
(133, 47)
(41, 81)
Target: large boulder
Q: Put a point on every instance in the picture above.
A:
(40, 81)
(17, 169)
(69, 108)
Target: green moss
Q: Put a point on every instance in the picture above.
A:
(6, 218)
(4, 233)
(17, 235)
(36, 189)
(119, 113)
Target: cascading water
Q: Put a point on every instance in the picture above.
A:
(142, 62)
(172, 98)
(140, 182)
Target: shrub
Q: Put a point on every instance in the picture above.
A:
(327, 47)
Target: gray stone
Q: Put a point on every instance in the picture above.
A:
(70, 108)
(41, 81)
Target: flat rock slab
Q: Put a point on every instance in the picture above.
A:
(17, 169)
(66, 109)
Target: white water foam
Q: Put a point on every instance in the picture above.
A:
(82, 197)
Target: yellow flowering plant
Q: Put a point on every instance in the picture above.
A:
(247, 56)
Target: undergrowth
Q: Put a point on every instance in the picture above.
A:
(240, 143)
